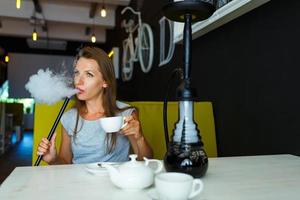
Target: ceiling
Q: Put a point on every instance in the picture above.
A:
(58, 19)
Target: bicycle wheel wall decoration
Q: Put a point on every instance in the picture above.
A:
(139, 49)
(127, 62)
(146, 48)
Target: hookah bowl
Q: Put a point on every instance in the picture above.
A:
(189, 158)
(185, 152)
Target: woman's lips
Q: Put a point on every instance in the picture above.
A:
(80, 91)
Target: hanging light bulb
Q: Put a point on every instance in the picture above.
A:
(18, 4)
(93, 38)
(6, 58)
(103, 11)
(34, 35)
(111, 53)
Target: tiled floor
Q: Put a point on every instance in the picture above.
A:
(19, 155)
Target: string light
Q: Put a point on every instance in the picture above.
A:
(103, 10)
(6, 58)
(93, 38)
(111, 53)
(34, 35)
(18, 4)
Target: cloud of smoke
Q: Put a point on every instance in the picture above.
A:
(47, 87)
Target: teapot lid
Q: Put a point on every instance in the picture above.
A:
(132, 163)
(133, 157)
(133, 166)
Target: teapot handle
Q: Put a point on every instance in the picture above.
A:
(159, 164)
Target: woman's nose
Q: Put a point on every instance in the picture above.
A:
(78, 80)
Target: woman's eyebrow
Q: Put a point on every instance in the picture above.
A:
(90, 70)
(86, 70)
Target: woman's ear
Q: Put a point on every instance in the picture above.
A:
(105, 85)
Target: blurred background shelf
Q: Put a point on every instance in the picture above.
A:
(11, 120)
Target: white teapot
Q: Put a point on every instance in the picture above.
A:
(133, 175)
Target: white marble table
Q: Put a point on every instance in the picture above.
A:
(273, 177)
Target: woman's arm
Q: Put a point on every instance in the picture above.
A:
(65, 154)
(138, 142)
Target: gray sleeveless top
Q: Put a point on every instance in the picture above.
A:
(89, 145)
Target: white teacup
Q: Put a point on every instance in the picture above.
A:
(112, 124)
(177, 186)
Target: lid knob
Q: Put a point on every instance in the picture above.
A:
(133, 157)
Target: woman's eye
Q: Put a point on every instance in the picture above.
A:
(90, 75)
(75, 73)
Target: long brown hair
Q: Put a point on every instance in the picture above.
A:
(109, 93)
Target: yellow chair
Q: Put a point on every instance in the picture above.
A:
(151, 117)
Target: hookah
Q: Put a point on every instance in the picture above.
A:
(185, 152)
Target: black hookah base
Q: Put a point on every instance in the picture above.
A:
(189, 158)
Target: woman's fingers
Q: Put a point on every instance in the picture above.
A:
(131, 123)
(130, 128)
(128, 118)
(133, 127)
(130, 132)
(45, 140)
(42, 150)
(43, 146)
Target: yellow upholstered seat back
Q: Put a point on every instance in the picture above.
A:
(151, 117)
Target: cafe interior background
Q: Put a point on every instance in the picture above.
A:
(247, 67)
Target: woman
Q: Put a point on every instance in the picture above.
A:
(83, 139)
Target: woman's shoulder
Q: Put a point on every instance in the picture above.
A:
(68, 120)
(70, 112)
(125, 112)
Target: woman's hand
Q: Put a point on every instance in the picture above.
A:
(134, 132)
(47, 149)
(133, 127)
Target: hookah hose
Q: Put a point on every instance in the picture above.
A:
(165, 106)
(62, 109)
